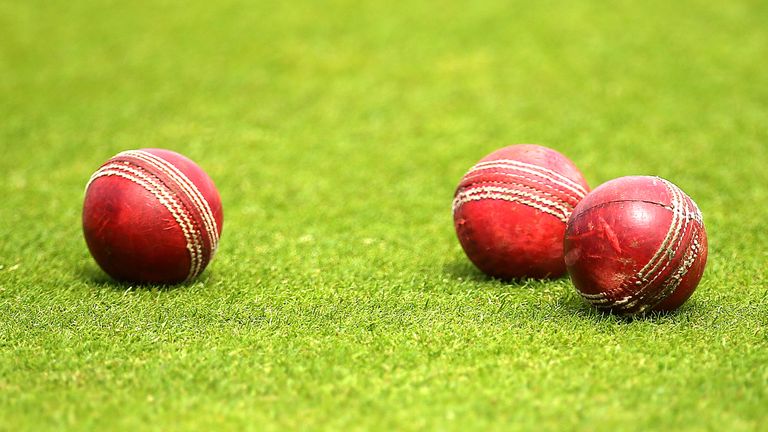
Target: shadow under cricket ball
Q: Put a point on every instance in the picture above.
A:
(636, 244)
(152, 216)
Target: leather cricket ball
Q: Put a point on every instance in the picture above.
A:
(152, 216)
(511, 208)
(636, 244)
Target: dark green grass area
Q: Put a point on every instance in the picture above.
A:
(336, 132)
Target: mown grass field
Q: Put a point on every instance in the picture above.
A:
(336, 132)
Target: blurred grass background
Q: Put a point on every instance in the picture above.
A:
(336, 132)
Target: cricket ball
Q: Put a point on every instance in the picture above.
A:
(511, 208)
(152, 216)
(636, 244)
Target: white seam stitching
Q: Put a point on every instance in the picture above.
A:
(668, 238)
(690, 254)
(540, 171)
(523, 187)
(561, 194)
(194, 244)
(680, 222)
(533, 166)
(189, 188)
(483, 189)
(680, 218)
(577, 194)
(167, 200)
(497, 196)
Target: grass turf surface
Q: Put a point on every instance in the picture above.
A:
(336, 133)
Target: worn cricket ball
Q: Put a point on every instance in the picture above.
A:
(152, 216)
(636, 244)
(511, 208)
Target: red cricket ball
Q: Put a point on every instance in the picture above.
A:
(636, 244)
(152, 216)
(511, 208)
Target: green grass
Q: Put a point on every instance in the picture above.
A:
(336, 132)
